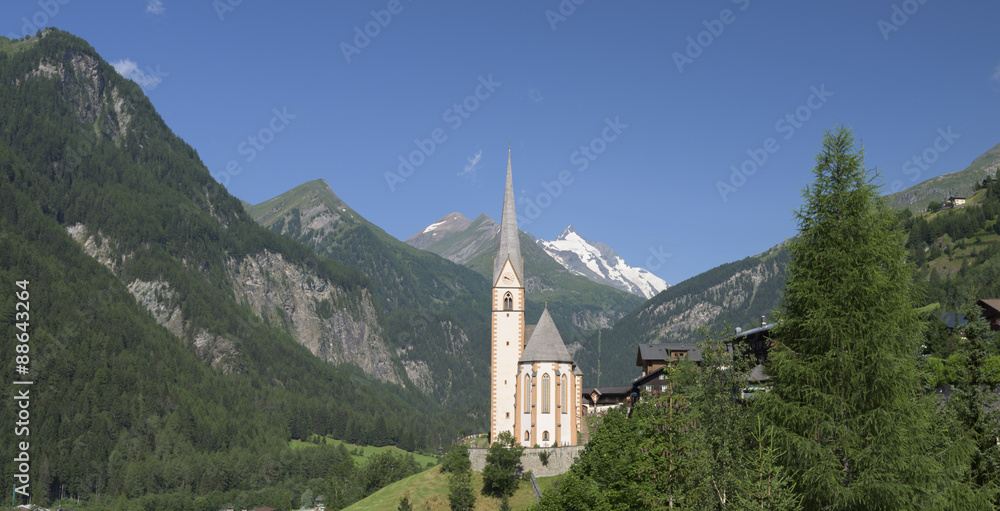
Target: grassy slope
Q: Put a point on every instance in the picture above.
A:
(953, 183)
(367, 451)
(428, 490)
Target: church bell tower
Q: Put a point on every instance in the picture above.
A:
(507, 317)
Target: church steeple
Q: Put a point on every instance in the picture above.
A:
(510, 245)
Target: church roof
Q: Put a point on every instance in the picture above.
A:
(510, 245)
(545, 343)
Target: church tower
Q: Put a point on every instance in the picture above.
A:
(507, 318)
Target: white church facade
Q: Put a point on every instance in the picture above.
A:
(534, 382)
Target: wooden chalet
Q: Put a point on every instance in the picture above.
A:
(991, 312)
(597, 400)
(652, 357)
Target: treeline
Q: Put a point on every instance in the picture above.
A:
(304, 474)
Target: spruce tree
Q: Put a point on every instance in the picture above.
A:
(844, 404)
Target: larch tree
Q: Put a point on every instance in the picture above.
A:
(845, 406)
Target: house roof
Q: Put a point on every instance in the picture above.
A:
(992, 303)
(545, 344)
(642, 380)
(951, 319)
(752, 331)
(606, 394)
(662, 352)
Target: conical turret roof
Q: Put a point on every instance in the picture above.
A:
(510, 245)
(545, 344)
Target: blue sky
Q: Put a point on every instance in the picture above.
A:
(625, 118)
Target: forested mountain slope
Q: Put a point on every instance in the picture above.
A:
(732, 295)
(168, 350)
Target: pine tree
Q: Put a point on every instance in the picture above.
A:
(766, 485)
(843, 403)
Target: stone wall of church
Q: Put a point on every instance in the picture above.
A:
(560, 459)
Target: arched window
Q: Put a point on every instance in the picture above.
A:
(565, 404)
(545, 393)
(527, 394)
(558, 394)
(527, 436)
(545, 436)
(508, 302)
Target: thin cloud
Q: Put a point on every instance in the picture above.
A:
(130, 70)
(472, 164)
(996, 75)
(535, 95)
(156, 7)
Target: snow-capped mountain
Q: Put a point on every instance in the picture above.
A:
(599, 263)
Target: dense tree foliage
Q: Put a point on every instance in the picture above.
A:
(503, 470)
(690, 447)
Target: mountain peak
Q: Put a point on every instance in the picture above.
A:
(599, 263)
(567, 232)
(449, 224)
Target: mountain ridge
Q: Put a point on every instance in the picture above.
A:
(460, 240)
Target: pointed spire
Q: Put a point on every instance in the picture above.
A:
(510, 245)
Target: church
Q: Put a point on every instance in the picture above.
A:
(534, 382)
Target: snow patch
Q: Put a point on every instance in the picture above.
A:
(433, 226)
